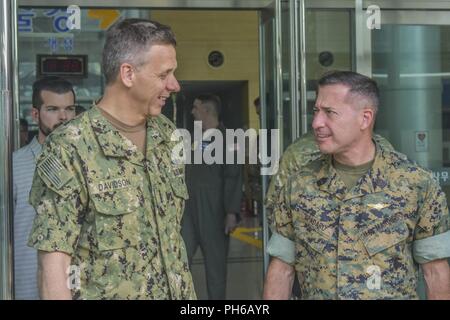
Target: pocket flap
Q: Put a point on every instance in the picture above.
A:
(313, 238)
(377, 239)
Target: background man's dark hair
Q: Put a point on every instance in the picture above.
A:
(212, 101)
(79, 109)
(257, 102)
(53, 84)
(359, 85)
(127, 40)
(23, 123)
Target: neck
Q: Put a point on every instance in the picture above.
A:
(360, 153)
(118, 104)
(41, 137)
(210, 123)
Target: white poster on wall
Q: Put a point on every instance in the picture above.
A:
(421, 141)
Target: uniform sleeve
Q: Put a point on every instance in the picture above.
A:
(281, 248)
(287, 165)
(281, 244)
(432, 235)
(57, 196)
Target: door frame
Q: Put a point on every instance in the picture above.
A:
(156, 4)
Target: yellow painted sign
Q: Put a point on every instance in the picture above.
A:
(106, 17)
(247, 235)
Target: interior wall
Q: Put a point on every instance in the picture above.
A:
(328, 30)
(234, 33)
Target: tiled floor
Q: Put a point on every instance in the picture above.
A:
(245, 266)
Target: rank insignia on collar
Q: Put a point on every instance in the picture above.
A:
(378, 206)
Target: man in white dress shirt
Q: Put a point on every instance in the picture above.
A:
(53, 104)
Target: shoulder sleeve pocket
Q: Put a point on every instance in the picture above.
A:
(179, 188)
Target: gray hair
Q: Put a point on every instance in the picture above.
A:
(127, 39)
(358, 84)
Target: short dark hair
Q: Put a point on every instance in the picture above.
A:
(79, 109)
(357, 83)
(127, 39)
(257, 102)
(51, 83)
(23, 123)
(212, 100)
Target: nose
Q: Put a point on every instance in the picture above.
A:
(173, 85)
(63, 115)
(317, 120)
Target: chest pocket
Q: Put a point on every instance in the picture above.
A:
(117, 219)
(377, 239)
(312, 238)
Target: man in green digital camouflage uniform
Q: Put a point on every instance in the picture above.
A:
(108, 198)
(355, 220)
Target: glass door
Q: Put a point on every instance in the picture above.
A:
(270, 82)
(329, 44)
(410, 63)
(43, 33)
(409, 60)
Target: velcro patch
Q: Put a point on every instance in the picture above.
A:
(110, 185)
(51, 169)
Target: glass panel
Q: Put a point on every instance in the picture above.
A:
(233, 33)
(7, 90)
(286, 66)
(410, 64)
(268, 111)
(45, 31)
(328, 47)
(270, 70)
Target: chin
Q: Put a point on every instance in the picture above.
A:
(323, 148)
(154, 111)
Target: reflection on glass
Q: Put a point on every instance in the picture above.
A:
(328, 47)
(410, 64)
(45, 31)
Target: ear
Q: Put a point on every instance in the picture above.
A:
(127, 74)
(367, 118)
(35, 114)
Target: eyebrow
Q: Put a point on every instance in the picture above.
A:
(326, 108)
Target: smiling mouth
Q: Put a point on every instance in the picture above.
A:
(163, 99)
(321, 136)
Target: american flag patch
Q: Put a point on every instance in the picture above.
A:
(52, 170)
